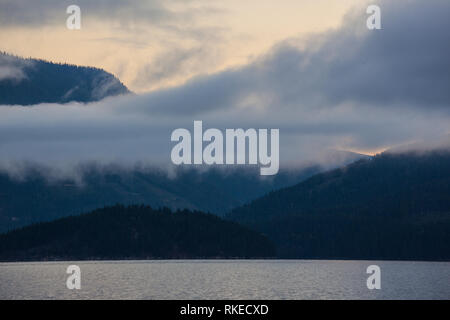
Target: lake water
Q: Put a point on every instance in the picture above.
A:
(219, 279)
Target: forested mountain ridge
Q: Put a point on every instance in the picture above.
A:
(32, 81)
(134, 232)
(363, 185)
(394, 206)
(33, 198)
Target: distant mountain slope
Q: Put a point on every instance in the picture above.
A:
(32, 81)
(395, 206)
(135, 232)
(35, 199)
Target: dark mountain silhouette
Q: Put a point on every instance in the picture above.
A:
(33, 198)
(135, 232)
(394, 206)
(32, 81)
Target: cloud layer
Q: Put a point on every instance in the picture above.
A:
(13, 69)
(406, 63)
(349, 88)
(45, 12)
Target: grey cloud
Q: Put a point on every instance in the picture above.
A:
(346, 89)
(107, 132)
(177, 62)
(201, 95)
(12, 69)
(11, 73)
(406, 63)
(125, 12)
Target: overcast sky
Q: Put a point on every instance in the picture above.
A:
(309, 68)
(149, 44)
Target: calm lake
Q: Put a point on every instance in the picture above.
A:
(220, 279)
